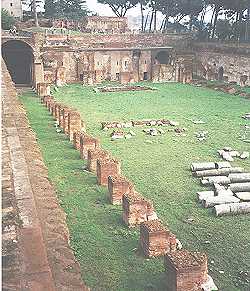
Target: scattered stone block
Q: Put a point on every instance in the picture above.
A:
(87, 143)
(105, 168)
(136, 209)
(155, 239)
(93, 156)
(185, 271)
(117, 186)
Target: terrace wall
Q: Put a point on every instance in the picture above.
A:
(212, 59)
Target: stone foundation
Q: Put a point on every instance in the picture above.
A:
(87, 143)
(93, 156)
(136, 209)
(185, 271)
(105, 168)
(117, 186)
(74, 123)
(155, 239)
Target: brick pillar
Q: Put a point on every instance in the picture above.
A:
(185, 271)
(135, 209)
(155, 239)
(43, 89)
(51, 106)
(93, 156)
(105, 168)
(76, 140)
(60, 115)
(45, 100)
(74, 123)
(65, 116)
(55, 112)
(87, 143)
(49, 103)
(118, 186)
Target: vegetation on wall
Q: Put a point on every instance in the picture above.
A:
(7, 21)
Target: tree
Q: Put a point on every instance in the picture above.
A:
(70, 9)
(33, 5)
(7, 20)
(120, 7)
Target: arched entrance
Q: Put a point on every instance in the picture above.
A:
(18, 57)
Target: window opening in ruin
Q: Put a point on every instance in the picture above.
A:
(220, 73)
(162, 57)
(81, 77)
(117, 63)
(145, 62)
(145, 76)
(117, 76)
(11, 4)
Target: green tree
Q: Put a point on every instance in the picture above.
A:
(120, 7)
(7, 20)
(70, 9)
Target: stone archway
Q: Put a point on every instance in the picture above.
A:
(19, 60)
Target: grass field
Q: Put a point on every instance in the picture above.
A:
(105, 248)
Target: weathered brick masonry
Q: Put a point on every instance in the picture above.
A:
(155, 239)
(185, 271)
(93, 156)
(107, 167)
(46, 261)
(117, 186)
(136, 209)
(87, 143)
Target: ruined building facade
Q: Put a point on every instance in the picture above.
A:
(126, 58)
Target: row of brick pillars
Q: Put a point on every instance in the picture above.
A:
(185, 271)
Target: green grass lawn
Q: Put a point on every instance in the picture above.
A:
(105, 248)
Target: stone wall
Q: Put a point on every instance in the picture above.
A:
(222, 62)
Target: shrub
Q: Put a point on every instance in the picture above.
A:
(7, 20)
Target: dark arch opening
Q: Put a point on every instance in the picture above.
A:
(18, 57)
(162, 57)
(220, 73)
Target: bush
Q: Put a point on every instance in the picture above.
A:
(7, 20)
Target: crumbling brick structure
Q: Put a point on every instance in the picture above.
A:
(117, 186)
(105, 168)
(74, 123)
(136, 209)
(155, 239)
(56, 111)
(185, 271)
(65, 119)
(43, 89)
(87, 143)
(93, 156)
(76, 140)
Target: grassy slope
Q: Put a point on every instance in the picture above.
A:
(160, 171)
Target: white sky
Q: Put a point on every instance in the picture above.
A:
(104, 10)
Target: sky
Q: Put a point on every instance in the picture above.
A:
(106, 11)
